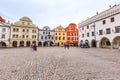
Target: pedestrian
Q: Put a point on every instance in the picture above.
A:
(35, 47)
(67, 45)
(32, 47)
(64, 45)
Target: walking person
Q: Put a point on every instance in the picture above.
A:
(67, 45)
(32, 47)
(64, 45)
(35, 47)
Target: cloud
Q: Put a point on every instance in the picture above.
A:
(52, 12)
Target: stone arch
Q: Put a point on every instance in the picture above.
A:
(27, 43)
(2, 44)
(105, 43)
(40, 44)
(45, 43)
(81, 42)
(14, 43)
(116, 42)
(51, 43)
(87, 42)
(21, 43)
(93, 43)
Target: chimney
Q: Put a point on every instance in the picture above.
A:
(97, 13)
(110, 6)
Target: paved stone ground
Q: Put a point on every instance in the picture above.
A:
(57, 63)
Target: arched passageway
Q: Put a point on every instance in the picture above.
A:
(116, 42)
(105, 43)
(14, 43)
(2, 44)
(93, 43)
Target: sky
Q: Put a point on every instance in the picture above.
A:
(53, 13)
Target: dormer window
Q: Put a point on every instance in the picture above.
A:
(23, 23)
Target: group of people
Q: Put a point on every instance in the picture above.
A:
(33, 46)
(66, 45)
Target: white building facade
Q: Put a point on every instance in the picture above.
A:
(46, 36)
(102, 30)
(4, 34)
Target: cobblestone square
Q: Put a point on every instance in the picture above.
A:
(57, 63)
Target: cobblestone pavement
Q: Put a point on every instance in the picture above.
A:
(57, 63)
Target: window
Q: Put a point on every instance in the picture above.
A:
(41, 37)
(112, 19)
(108, 31)
(13, 29)
(26, 36)
(72, 38)
(82, 28)
(49, 33)
(32, 31)
(117, 29)
(3, 36)
(100, 32)
(87, 27)
(59, 33)
(43, 32)
(52, 37)
(17, 30)
(82, 35)
(13, 36)
(23, 36)
(59, 38)
(93, 33)
(3, 30)
(23, 23)
(68, 38)
(56, 38)
(23, 30)
(56, 33)
(87, 34)
(63, 38)
(45, 37)
(49, 37)
(16, 36)
(35, 36)
(104, 22)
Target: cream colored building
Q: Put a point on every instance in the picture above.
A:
(102, 30)
(23, 33)
(60, 36)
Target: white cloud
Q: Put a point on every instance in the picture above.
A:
(53, 12)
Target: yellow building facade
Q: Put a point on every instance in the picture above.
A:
(60, 36)
(23, 33)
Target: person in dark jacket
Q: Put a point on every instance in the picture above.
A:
(35, 47)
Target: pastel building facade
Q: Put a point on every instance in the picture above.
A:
(46, 36)
(4, 33)
(60, 36)
(72, 34)
(102, 30)
(23, 33)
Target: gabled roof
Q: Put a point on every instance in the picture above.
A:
(1, 19)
